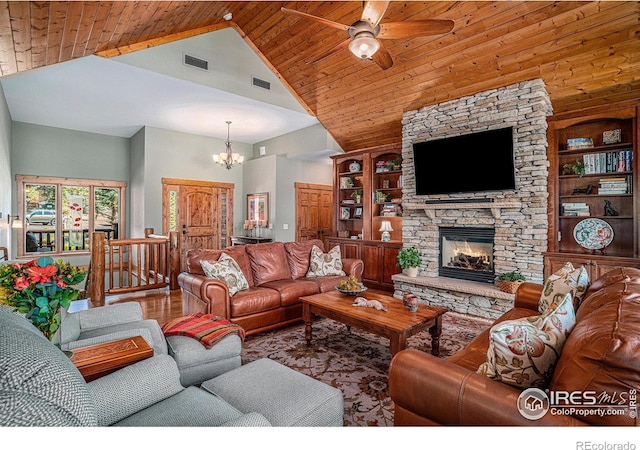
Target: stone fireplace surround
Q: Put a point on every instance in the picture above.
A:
(519, 216)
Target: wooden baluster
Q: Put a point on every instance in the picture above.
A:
(174, 260)
(97, 270)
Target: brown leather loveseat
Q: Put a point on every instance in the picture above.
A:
(276, 274)
(599, 363)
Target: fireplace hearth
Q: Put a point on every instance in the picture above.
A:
(466, 253)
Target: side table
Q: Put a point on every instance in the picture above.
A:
(96, 361)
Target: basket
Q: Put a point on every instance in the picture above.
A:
(510, 286)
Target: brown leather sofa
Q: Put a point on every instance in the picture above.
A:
(276, 273)
(600, 355)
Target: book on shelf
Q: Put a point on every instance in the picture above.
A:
(615, 185)
(575, 209)
(608, 162)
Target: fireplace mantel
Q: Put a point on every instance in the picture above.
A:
(495, 207)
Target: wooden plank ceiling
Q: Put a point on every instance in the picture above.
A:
(587, 53)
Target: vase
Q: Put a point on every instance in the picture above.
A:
(411, 272)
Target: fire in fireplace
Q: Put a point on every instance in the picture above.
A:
(467, 253)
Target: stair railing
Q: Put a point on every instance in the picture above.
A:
(130, 265)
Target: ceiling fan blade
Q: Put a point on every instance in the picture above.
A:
(382, 58)
(327, 22)
(335, 49)
(414, 28)
(373, 12)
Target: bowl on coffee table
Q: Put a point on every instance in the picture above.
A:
(361, 288)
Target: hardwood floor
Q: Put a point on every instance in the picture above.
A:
(159, 304)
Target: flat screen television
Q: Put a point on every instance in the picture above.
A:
(475, 162)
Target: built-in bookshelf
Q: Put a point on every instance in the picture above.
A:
(368, 193)
(593, 175)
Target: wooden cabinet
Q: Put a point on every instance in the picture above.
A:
(593, 174)
(379, 258)
(595, 265)
(380, 262)
(368, 192)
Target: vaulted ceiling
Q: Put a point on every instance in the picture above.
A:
(587, 53)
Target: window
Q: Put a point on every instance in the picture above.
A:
(60, 214)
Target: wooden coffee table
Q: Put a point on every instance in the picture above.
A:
(396, 324)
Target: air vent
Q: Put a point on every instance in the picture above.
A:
(261, 83)
(196, 62)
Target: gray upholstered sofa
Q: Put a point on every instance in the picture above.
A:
(110, 323)
(40, 386)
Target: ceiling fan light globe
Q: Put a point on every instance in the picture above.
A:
(364, 46)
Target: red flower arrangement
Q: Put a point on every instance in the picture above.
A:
(38, 289)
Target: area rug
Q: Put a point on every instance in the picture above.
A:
(354, 361)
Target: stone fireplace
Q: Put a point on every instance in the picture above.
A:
(518, 218)
(467, 253)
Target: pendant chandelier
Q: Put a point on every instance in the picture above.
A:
(227, 158)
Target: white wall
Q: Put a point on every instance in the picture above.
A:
(259, 177)
(136, 186)
(55, 152)
(312, 141)
(278, 175)
(170, 154)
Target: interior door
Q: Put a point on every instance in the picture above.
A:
(314, 212)
(201, 212)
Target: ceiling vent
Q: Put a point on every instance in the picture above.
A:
(195, 62)
(261, 83)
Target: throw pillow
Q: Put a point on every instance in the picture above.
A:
(325, 264)
(524, 352)
(566, 280)
(227, 270)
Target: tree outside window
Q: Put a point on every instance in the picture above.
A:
(60, 214)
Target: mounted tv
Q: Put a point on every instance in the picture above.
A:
(476, 162)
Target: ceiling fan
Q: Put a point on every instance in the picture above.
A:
(365, 34)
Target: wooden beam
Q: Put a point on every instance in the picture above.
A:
(110, 53)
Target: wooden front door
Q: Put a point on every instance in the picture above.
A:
(314, 209)
(202, 212)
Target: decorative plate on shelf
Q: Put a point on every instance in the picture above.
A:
(593, 234)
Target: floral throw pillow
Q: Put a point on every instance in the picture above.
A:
(566, 280)
(325, 264)
(227, 270)
(523, 352)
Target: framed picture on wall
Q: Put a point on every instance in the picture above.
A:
(258, 208)
(357, 212)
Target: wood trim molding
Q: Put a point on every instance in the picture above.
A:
(215, 184)
(110, 53)
(325, 187)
